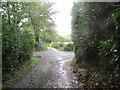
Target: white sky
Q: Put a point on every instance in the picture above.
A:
(63, 18)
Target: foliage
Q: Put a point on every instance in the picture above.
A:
(68, 47)
(20, 71)
(43, 47)
(95, 33)
(40, 16)
(55, 45)
(17, 42)
(23, 24)
(63, 46)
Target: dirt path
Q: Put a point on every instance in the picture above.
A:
(53, 71)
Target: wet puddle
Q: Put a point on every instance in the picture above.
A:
(64, 76)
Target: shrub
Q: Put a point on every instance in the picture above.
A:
(55, 45)
(68, 47)
(62, 46)
(95, 32)
(43, 46)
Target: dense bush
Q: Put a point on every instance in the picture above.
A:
(68, 47)
(55, 45)
(96, 35)
(23, 23)
(63, 46)
(17, 44)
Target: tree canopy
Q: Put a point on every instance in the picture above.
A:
(24, 24)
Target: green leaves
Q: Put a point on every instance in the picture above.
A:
(105, 47)
(96, 36)
(22, 23)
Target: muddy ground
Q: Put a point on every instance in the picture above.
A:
(53, 71)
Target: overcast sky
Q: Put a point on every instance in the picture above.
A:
(63, 18)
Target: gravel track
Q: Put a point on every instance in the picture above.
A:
(53, 71)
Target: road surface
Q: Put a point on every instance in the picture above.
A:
(53, 71)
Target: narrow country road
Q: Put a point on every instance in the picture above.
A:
(53, 71)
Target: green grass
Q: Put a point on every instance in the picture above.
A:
(61, 49)
(43, 48)
(23, 69)
(62, 46)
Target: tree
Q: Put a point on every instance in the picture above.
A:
(95, 34)
(22, 25)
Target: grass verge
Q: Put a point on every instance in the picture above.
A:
(23, 69)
